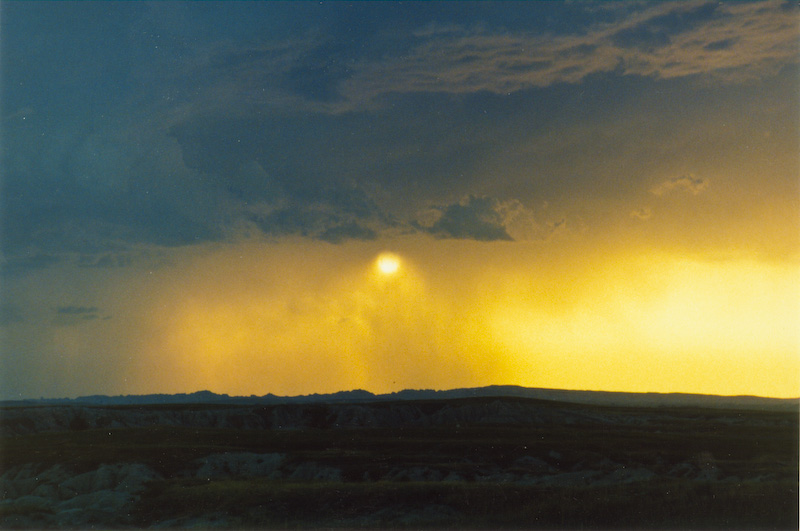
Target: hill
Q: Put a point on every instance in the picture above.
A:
(606, 398)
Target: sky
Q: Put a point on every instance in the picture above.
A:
(308, 197)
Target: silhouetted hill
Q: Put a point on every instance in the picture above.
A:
(495, 391)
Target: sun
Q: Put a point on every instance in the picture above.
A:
(388, 263)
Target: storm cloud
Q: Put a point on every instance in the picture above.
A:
(476, 218)
(195, 138)
(200, 188)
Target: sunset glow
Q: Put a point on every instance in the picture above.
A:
(388, 264)
(441, 199)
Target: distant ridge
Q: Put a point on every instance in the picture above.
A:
(604, 398)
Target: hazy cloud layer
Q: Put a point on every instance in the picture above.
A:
(642, 213)
(10, 314)
(689, 183)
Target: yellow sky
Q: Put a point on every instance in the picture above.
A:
(297, 317)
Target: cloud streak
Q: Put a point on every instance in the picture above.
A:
(664, 40)
(642, 213)
(71, 315)
(688, 183)
(674, 39)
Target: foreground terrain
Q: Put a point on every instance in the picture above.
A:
(455, 463)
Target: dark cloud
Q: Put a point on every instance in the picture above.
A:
(662, 40)
(327, 219)
(347, 231)
(72, 315)
(475, 218)
(723, 44)
(313, 223)
(67, 188)
(180, 123)
(90, 311)
(316, 174)
(656, 32)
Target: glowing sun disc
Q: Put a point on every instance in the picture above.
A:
(388, 264)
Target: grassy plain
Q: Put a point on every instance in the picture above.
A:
(658, 504)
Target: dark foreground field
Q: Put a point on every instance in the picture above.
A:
(468, 463)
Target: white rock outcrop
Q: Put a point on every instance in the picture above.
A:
(54, 497)
(240, 464)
